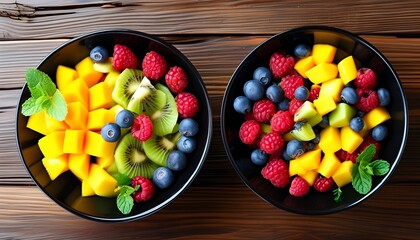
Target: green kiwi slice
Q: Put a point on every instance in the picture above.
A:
(131, 159)
(146, 99)
(157, 148)
(164, 120)
(126, 85)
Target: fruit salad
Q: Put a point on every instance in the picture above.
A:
(315, 122)
(124, 126)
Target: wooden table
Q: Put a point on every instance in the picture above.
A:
(215, 35)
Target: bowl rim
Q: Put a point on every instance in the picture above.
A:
(356, 38)
(201, 161)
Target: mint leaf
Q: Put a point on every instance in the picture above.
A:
(56, 107)
(337, 194)
(379, 167)
(367, 169)
(40, 81)
(361, 181)
(122, 180)
(29, 107)
(366, 156)
(125, 203)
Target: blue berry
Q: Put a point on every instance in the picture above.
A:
(302, 50)
(242, 104)
(186, 144)
(263, 75)
(275, 93)
(295, 148)
(301, 93)
(176, 160)
(357, 124)
(286, 157)
(254, 90)
(316, 139)
(111, 132)
(284, 105)
(379, 132)
(99, 54)
(309, 145)
(384, 97)
(325, 122)
(163, 177)
(259, 157)
(188, 127)
(124, 118)
(349, 95)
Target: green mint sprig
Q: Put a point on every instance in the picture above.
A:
(44, 96)
(125, 201)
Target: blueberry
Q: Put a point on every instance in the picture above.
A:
(384, 97)
(242, 104)
(188, 127)
(163, 177)
(325, 122)
(286, 157)
(254, 90)
(284, 105)
(301, 93)
(176, 160)
(309, 145)
(295, 148)
(263, 75)
(316, 139)
(99, 54)
(111, 132)
(349, 95)
(302, 50)
(186, 144)
(357, 124)
(275, 93)
(379, 132)
(124, 118)
(259, 157)
(360, 114)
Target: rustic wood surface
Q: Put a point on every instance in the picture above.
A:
(215, 35)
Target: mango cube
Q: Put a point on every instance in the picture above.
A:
(105, 162)
(37, 123)
(342, 175)
(79, 165)
(51, 145)
(341, 116)
(99, 96)
(375, 117)
(347, 69)
(102, 183)
(86, 71)
(96, 146)
(303, 65)
(350, 140)
(99, 117)
(329, 164)
(295, 168)
(322, 72)
(310, 160)
(310, 177)
(77, 91)
(323, 53)
(74, 141)
(77, 115)
(330, 140)
(53, 124)
(111, 78)
(56, 166)
(324, 105)
(332, 88)
(86, 189)
(116, 108)
(64, 76)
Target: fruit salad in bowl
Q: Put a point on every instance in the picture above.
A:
(114, 125)
(314, 120)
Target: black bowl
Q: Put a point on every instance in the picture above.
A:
(65, 190)
(348, 44)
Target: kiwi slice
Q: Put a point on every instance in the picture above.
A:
(164, 120)
(146, 99)
(126, 85)
(157, 148)
(131, 159)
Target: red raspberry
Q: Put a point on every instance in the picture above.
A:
(277, 172)
(323, 184)
(366, 142)
(176, 79)
(249, 131)
(294, 105)
(282, 122)
(154, 65)
(146, 189)
(280, 65)
(346, 156)
(187, 104)
(368, 99)
(271, 142)
(142, 128)
(314, 93)
(366, 78)
(264, 110)
(124, 58)
(299, 187)
(290, 83)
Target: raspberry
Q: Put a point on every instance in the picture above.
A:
(294, 105)
(346, 156)
(249, 131)
(187, 104)
(299, 187)
(314, 93)
(281, 65)
(154, 65)
(368, 99)
(277, 172)
(290, 83)
(366, 78)
(176, 79)
(142, 128)
(146, 189)
(282, 122)
(366, 142)
(124, 58)
(271, 142)
(323, 184)
(264, 110)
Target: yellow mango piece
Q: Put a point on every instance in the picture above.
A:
(342, 175)
(100, 96)
(56, 166)
(330, 140)
(324, 105)
(375, 117)
(77, 91)
(322, 72)
(323, 53)
(310, 177)
(332, 88)
(64, 76)
(77, 115)
(105, 162)
(102, 183)
(96, 146)
(79, 165)
(347, 69)
(310, 160)
(99, 117)
(37, 123)
(111, 78)
(329, 164)
(303, 65)
(295, 168)
(51, 145)
(104, 67)
(74, 141)
(53, 124)
(350, 140)
(86, 71)
(116, 108)
(86, 189)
